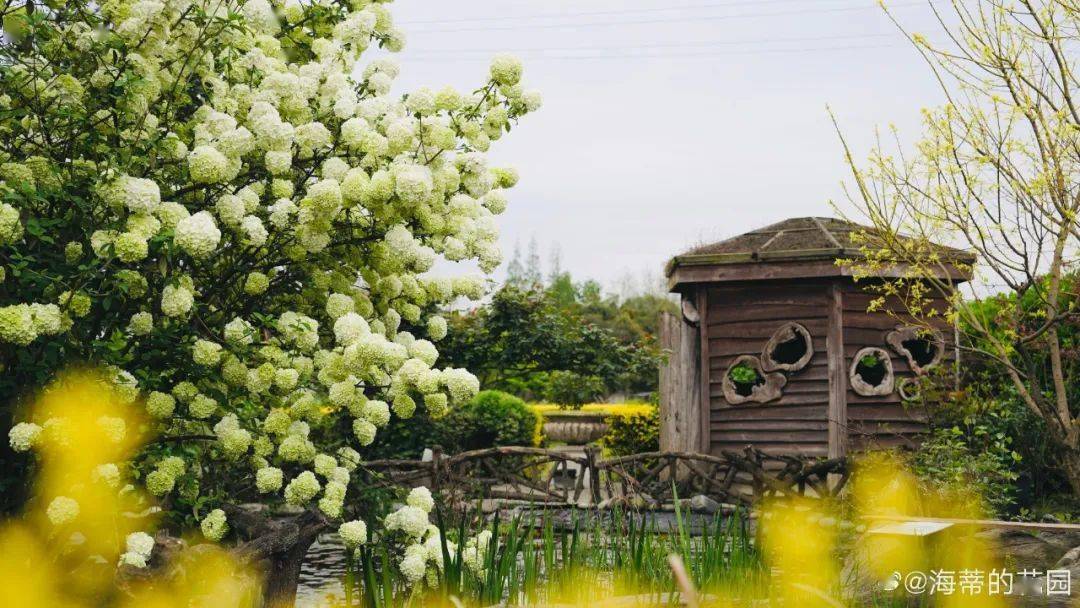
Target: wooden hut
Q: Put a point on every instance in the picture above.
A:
(776, 348)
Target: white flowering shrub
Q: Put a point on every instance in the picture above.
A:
(409, 533)
(223, 202)
(139, 546)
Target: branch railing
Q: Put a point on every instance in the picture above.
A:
(559, 477)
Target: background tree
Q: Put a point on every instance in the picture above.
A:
(995, 173)
(599, 345)
(215, 201)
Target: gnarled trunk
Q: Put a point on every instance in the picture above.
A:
(283, 573)
(278, 547)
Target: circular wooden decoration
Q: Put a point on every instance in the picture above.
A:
(921, 347)
(872, 381)
(768, 387)
(690, 312)
(789, 349)
(909, 389)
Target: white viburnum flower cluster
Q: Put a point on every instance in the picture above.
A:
(278, 228)
(62, 510)
(422, 554)
(353, 533)
(139, 545)
(24, 436)
(214, 526)
(474, 553)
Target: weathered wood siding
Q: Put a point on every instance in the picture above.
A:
(739, 319)
(680, 385)
(885, 421)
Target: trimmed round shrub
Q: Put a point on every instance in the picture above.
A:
(492, 418)
(633, 433)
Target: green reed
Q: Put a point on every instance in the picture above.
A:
(532, 558)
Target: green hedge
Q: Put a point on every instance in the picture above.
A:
(492, 418)
(633, 433)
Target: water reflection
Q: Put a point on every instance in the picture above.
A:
(321, 573)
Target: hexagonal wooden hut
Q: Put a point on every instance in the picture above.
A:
(777, 349)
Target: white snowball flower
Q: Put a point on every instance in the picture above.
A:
(176, 301)
(420, 497)
(214, 526)
(334, 168)
(268, 479)
(230, 209)
(206, 353)
(421, 101)
(239, 332)
(62, 510)
(302, 488)
(506, 69)
(436, 327)
(24, 436)
(107, 473)
(410, 520)
(134, 560)
(11, 229)
(254, 230)
(138, 194)
(170, 214)
(207, 165)
(414, 183)
(533, 100)
(278, 161)
(198, 235)
(461, 384)
(352, 132)
(281, 213)
(376, 412)
(349, 328)
(364, 431)
(353, 533)
(413, 567)
(140, 543)
(339, 304)
(141, 324)
(313, 136)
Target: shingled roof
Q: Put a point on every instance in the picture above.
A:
(795, 239)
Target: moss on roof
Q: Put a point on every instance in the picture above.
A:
(794, 239)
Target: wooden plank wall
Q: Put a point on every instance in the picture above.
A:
(740, 319)
(885, 421)
(680, 385)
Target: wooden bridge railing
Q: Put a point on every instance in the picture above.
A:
(561, 477)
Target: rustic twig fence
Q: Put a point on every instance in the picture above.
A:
(565, 478)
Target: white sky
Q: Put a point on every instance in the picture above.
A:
(684, 121)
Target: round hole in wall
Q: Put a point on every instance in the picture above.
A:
(922, 347)
(871, 372)
(871, 369)
(745, 381)
(910, 389)
(745, 378)
(789, 349)
(922, 351)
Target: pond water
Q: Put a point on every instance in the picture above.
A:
(321, 573)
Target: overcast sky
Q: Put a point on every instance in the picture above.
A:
(667, 124)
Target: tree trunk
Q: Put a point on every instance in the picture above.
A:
(283, 575)
(279, 548)
(1070, 464)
